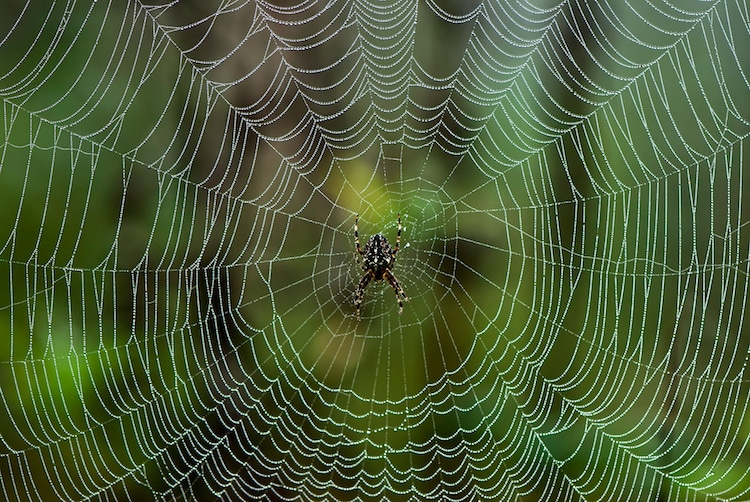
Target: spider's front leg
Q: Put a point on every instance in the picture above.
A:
(398, 236)
(400, 295)
(356, 235)
(359, 295)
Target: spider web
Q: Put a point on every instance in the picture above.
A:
(178, 188)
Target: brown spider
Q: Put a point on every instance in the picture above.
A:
(378, 258)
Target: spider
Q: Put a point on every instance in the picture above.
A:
(378, 257)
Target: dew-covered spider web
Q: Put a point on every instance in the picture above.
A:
(179, 183)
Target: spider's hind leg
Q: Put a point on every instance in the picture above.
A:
(400, 294)
(359, 295)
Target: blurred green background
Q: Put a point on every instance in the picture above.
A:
(178, 188)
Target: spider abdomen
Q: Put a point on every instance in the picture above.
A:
(378, 256)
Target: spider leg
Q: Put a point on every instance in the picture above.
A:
(356, 235)
(400, 295)
(359, 295)
(398, 235)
